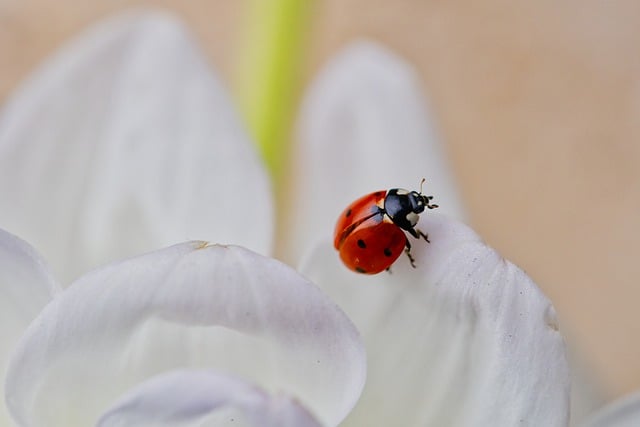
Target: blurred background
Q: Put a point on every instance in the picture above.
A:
(538, 104)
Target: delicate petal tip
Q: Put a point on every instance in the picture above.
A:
(624, 412)
(125, 141)
(186, 306)
(365, 120)
(188, 396)
(464, 339)
(26, 286)
(24, 270)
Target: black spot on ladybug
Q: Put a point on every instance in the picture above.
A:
(360, 270)
(348, 214)
(361, 244)
(387, 252)
(379, 193)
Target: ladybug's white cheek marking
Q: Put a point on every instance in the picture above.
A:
(413, 218)
(402, 192)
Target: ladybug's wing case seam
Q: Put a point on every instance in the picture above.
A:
(356, 213)
(349, 229)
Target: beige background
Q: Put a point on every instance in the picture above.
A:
(539, 104)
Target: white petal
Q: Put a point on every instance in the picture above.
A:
(624, 412)
(26, 285)
(465, 339)
(189, 305)
(188, 397)
(364, 127)
(124, 142)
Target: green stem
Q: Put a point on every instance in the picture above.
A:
(269, 76)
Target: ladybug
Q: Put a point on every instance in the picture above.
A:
(370, 232)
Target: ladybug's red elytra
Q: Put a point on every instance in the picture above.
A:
(370, 232)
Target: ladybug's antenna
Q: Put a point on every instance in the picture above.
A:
(422, 182)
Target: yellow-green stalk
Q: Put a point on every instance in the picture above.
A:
(270, 65)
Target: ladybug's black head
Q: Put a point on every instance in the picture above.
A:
(403, 206)
(418, 201)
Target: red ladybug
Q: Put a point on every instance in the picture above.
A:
(370, 232)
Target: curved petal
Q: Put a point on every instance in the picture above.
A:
(624, 412)
(124, 142)
(190, 305)
(184, 397)
(465, 339)
(26, 285)
(364, 126)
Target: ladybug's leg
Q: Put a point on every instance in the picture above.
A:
(429, 205)
(388, 270)
(418, 234)
(414, 233)
(424, 236)
(407, 250)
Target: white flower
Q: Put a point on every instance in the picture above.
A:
(466, 339)
(125, 142)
